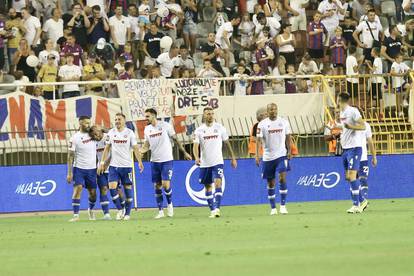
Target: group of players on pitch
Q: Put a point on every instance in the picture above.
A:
(104, 160)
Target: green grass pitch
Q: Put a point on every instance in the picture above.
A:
(316, 238)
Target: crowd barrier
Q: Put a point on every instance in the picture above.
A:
(44, 188)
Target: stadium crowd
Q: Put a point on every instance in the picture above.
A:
(123, 39)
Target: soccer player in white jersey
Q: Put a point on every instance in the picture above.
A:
(351, 122)
(102, 179)
(119, 142)
(366, 138)
(273, 133)
(158, 135)
(209, 137)
(82, 157)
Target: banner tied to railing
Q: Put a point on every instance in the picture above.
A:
(191, 96)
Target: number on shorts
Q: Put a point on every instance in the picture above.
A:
(170, 172)
(220, 173)
(365, 169)
(130, 176)
(351, 163)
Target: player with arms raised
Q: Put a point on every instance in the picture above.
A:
(351, 123)
(157, 139)
(120, 140)
(273, 133)
(210, 137)
(82, 156)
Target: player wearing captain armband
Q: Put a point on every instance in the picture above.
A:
(119, 142)
(158, 135)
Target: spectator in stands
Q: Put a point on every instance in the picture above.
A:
(70, 72)
(408, 37)
(399, 72)
(136, 30)
(120, 66)
(221, 16)
(169, 24)
(317, 36)
(21, 79)
(105, 52)
(166, 61)
(330, 10)
(49, 50)
(48, 73)
(99, 27)
(368, 7)
(263, 21)
(223, 36)
(352, 68)
(240, 85)
(79, 23)
(129, 72)
(208, 71)
(287, 43)
(391, 46)
(6, 78)
(53, 27)
(264, 55)
(257, 85)
(15, 30)
(273, 8)
(20, 57)
(93, 71)
(338, 54)
(190, 24)
(151, 45)
(184, 59)
(210, 51)
(144, 12)
(261, 114)
(376, 81)
(33, 29)
(120, 29)
(408, 9)
(246, 31)
(73, 48)
(228, 5)
(278, 85)
(290, 83)
(348, 28)
(306, 67)
(371, 35)
(297, 18)
(18, 5)
(62, 40)
(127, 53)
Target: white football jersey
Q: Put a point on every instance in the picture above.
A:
(273, 134)
(121, 145)
(211, 141)
(363, 136)
(100, 147)
(85, 151)
(349, 137)
(158, 137)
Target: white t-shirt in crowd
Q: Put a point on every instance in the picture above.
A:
(377, 70)
(367, 39)
(399, 68)
(351, 62)
(44, 54)
(120, 27)
(364, 135)
(121, 144)
(240, 86)
(133, 21)
(166, 64)
(273, 134)
(211, 141)
(70, 71)
(158, 137)
(271, 22)
(349, 137)
(226, 27)
(330, 22)
(85, 151)
(54, 29)
(31, 24)
(144, 9)
(297, 5)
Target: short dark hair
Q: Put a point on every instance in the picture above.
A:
(120, 114)
(183, 47)
(96, 8)
(371, 10)
(344, 97)
(207, 108)
(377, 50)
(352, 49)
(128, 66)
(84, 117)
(152, 111)
(260, 15)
